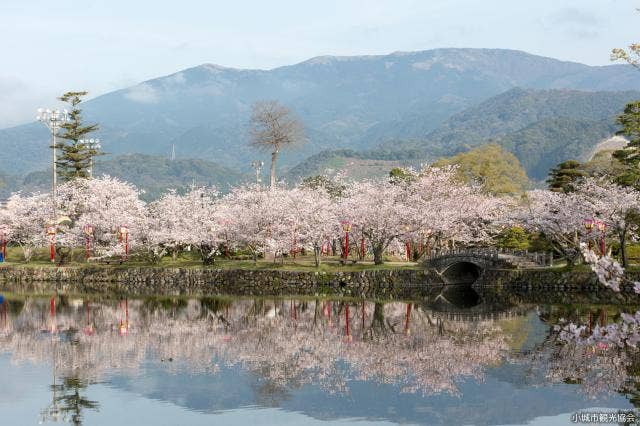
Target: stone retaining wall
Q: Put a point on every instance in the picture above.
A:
(386, 284)
(554, 286)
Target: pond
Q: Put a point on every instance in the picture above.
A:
(451, 359)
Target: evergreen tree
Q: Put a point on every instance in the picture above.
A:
(76, 156)
(515, 238)
(629, 156)
(565, 176)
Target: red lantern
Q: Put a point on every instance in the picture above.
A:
(51, 236)
(346, 227)
(602, 228)
(88, 234)
(123, 235)
(4, 234)
(589, 224)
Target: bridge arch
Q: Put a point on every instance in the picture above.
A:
(462, 272)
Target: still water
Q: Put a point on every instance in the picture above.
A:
(452, 360)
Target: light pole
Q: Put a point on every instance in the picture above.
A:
(93, 144)
(257, 165)
(88, 234)
(589, 224)
(601, 227)
(53, 119)
(123, 235)
(346, 227)
(4, 235)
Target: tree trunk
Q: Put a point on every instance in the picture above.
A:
(378, 249)
(316, 254)
(274, 158)
(623, 248)
(207, 255)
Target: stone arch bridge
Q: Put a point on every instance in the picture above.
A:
(466, 266)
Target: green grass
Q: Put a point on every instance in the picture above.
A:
(190, 260)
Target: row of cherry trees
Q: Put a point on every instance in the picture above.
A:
(432, 206)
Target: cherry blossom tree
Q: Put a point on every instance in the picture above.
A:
(106, 205)
(26, 218)
(558, 216)
(255, 217)
(314, 217)
(617, 206)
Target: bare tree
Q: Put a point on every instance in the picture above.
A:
(273, 127)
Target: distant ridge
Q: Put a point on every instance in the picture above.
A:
(354, 102)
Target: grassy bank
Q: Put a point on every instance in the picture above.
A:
(190, 260)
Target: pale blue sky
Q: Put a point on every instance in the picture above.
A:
(102, 45)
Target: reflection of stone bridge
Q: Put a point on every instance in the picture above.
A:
(466, 266)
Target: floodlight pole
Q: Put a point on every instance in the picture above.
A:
(257, 165)
(92, 144)
(53, 119)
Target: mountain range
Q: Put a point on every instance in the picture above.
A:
(405, 106)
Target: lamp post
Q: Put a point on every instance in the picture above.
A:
(93, 144)
(51, 236)
(88, 233)
(601, 227)
(257, 165)
(588, 225)
(4, 234)
(53, 119)
(123, 236)
(407, 244)
(346, 227)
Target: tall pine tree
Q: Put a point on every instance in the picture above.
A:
(565, 176)
(76, 155)
(629, 156)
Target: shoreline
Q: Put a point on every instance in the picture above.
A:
(210, 281)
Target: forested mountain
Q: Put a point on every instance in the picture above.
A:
(153, 174)
(541, 127)
(353, 103)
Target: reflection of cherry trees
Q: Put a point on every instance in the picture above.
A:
(286, 343)
(599, 370)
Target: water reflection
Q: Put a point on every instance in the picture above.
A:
(432, 349)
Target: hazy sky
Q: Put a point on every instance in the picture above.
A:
(49, 46)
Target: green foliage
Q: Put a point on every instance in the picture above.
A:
(514, 238)
(546, 143)
(630, 155)
(75, 158)
(399, 175)
(603, 163)
(565, 176)
(499, 170)
(539, 243)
